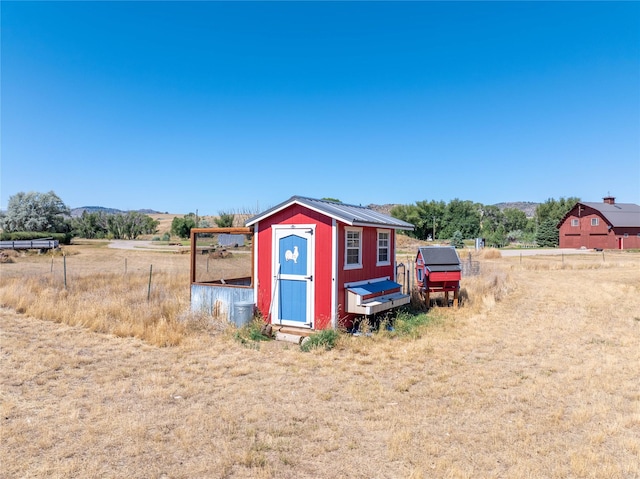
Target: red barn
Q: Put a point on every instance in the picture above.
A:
(318, 264)
(607, 225)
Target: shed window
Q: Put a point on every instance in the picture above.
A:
(595, 221)
(353, 248)
(575, 222)
(383, 247)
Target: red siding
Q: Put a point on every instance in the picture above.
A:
(584, 234)
(445, 276)
(369, 268)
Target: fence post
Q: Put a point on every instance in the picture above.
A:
(64, 262)
(149, 289)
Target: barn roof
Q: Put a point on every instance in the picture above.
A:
(618, 214)
(350, 214)
(440, 258)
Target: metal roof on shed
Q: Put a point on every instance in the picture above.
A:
(350, 214)
(440, 258)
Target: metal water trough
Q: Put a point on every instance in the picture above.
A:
(41, 244)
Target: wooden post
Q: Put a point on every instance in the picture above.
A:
(64, 262)
(455, 298)
(149, 289)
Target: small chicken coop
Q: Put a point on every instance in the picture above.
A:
(438, 270)
(320, 264)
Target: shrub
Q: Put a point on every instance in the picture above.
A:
(325, 339)
(410, 324)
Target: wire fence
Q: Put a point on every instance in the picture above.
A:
(62, 271)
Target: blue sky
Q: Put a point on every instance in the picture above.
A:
(215, 106)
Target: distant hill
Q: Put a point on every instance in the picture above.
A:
(75, 212)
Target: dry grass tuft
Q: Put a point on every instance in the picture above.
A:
(489, 253)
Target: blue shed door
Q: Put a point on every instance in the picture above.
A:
(294, 269)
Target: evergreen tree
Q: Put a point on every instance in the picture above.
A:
(548, 235)
(457, 240)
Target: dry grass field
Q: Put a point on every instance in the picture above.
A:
(536, 376)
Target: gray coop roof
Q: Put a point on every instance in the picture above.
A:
(440, 258)
(352, 215)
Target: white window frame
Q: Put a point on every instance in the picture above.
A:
(387, 247)
(347, 230)
(595, 221)
(575, 222)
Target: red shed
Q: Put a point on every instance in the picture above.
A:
(438, 270)
(607, 225)
(318, 263)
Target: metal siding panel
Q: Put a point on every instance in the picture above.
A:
(205, 297)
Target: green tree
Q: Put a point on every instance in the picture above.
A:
(463, 216)
(497, 238)
(491, 218)
(90, 225)
(224, 220)
(37, 212)
(554, 210)
(514, 219)
(182, 226)
(426, 216)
